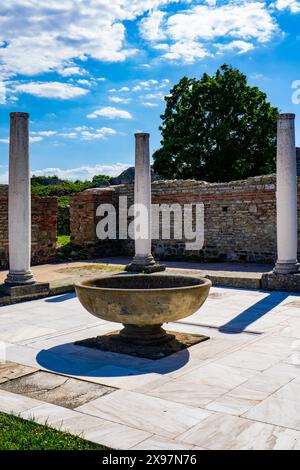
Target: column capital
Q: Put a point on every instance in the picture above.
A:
(286, 116)
(142, 134)
(19, 114)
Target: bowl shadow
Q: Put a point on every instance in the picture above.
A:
(74, 360)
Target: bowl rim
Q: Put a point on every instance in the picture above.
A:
(205, 282)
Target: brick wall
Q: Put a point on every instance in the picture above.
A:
(240, 219)
(83, 221)
(44, 228)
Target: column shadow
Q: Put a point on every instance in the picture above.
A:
(254, 313)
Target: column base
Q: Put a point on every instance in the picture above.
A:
(153, 268)
(20, 278)
(145, 264)
(287, 267)
(281, 282)
(143, 260)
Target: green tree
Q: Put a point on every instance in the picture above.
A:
(217, 128)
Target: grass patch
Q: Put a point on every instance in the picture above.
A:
(63, 240)
(18, 434)
(92, 268)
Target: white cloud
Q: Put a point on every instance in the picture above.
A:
(120, 90)
(151, 26)
(87, 133)
(80, 173)
(63, 91)
(117, 99)
(151, 88)
(83, 172)
(32, 139)
(245, 20)
(101, 133)
(84, 82)
(153, 96)
(194, 33)
(2, 93)
(145, 85)
(186, 51)
(44, 133)
(69, 135)
(142, 85)
(110, 113)
(149, 104)
(70, 71)
(241, 47)
(55, 36)
(54, 33)
(292, 5)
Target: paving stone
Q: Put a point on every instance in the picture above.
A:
(11, 370)
(56, 389)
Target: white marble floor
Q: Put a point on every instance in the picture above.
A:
(239, 390)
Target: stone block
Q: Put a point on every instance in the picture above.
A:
(24, 292)
(281, 282)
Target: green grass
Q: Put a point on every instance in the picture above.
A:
(63, 240)
(18, 434)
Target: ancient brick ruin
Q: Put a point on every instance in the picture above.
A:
(44, 223)
(240, 219)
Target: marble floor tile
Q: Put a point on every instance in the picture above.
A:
(94, 429)
(12, 403)
(187, 392)
(249, 360)
(20, 332)
(116, 436)
(47, 413)
(160, 443)
(218, 375)
(239, 400)
(220, 432)
(150, 414)
(282, 408)
(228, 404)
(272, 345)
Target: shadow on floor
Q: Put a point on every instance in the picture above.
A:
(254, 313)
(194, 264)
(61, 298)
(69, 359)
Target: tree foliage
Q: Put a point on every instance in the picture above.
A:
(217, 128)
(53, 186)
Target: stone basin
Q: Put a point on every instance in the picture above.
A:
(142, 303)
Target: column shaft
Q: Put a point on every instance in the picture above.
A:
(286, 196)
(19, 202)
(142, 199)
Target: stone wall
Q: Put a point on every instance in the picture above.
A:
(83, 221)
(240, 219)
(44, 228)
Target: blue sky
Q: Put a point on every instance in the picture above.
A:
(91, 73)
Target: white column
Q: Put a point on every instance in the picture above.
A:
(286, 196)
(142, 200)
(19, 202)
